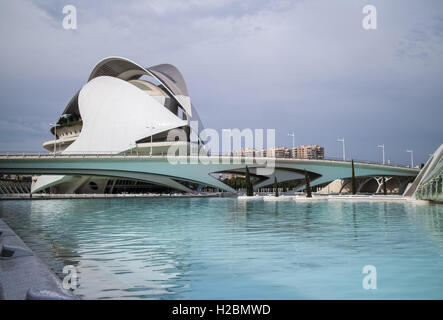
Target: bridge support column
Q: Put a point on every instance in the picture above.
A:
(343, 184)
(380, 183)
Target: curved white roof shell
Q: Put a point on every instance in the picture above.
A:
(168, 75)
(115, 114)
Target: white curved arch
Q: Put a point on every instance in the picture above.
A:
(131, 69)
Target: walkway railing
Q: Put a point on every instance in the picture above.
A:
(134, 154)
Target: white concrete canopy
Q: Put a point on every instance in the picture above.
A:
(116, 114)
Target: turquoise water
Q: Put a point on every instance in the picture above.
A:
(221, 248)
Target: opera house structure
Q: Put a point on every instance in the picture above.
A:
(123, 108)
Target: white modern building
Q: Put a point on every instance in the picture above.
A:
(123, 108)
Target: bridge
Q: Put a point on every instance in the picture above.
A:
(161, 170)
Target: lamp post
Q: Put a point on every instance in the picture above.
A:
(292, 134)
(151, 127)
(131, 146)
(344, 150)
(383, 148)
(55, 125)
(412, 157)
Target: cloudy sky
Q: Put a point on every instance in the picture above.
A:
(306, 66)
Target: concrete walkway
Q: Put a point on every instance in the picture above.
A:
(23, 275)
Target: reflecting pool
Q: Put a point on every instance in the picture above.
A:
(224, 248)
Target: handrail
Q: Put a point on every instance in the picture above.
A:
(104, 154)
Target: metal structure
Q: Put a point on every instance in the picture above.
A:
(342, 140)
(383, 153)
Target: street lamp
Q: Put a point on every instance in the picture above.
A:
(344, 150)
(292, 134)
(131, 145)
(383, 148)
(151, 127)
(412, 157)
(55, 125)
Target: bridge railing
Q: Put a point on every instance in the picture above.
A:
(127, 154)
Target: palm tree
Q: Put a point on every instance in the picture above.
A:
(354, 186)
(249, 190)
(308, 185)
(276, 186)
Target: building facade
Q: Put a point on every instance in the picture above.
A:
(311, 152)
(308, 152)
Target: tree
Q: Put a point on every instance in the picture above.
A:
(249, 190)
(354, 186)
(276, 186)
(308, 185)
(385, 191)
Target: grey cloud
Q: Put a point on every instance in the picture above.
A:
(306, 66)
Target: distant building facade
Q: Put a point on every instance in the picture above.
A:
(308, 152)
(300, 152)
(278, 152)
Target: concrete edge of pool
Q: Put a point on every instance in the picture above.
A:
(23, 276)
(27, 196)
(266, 197)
